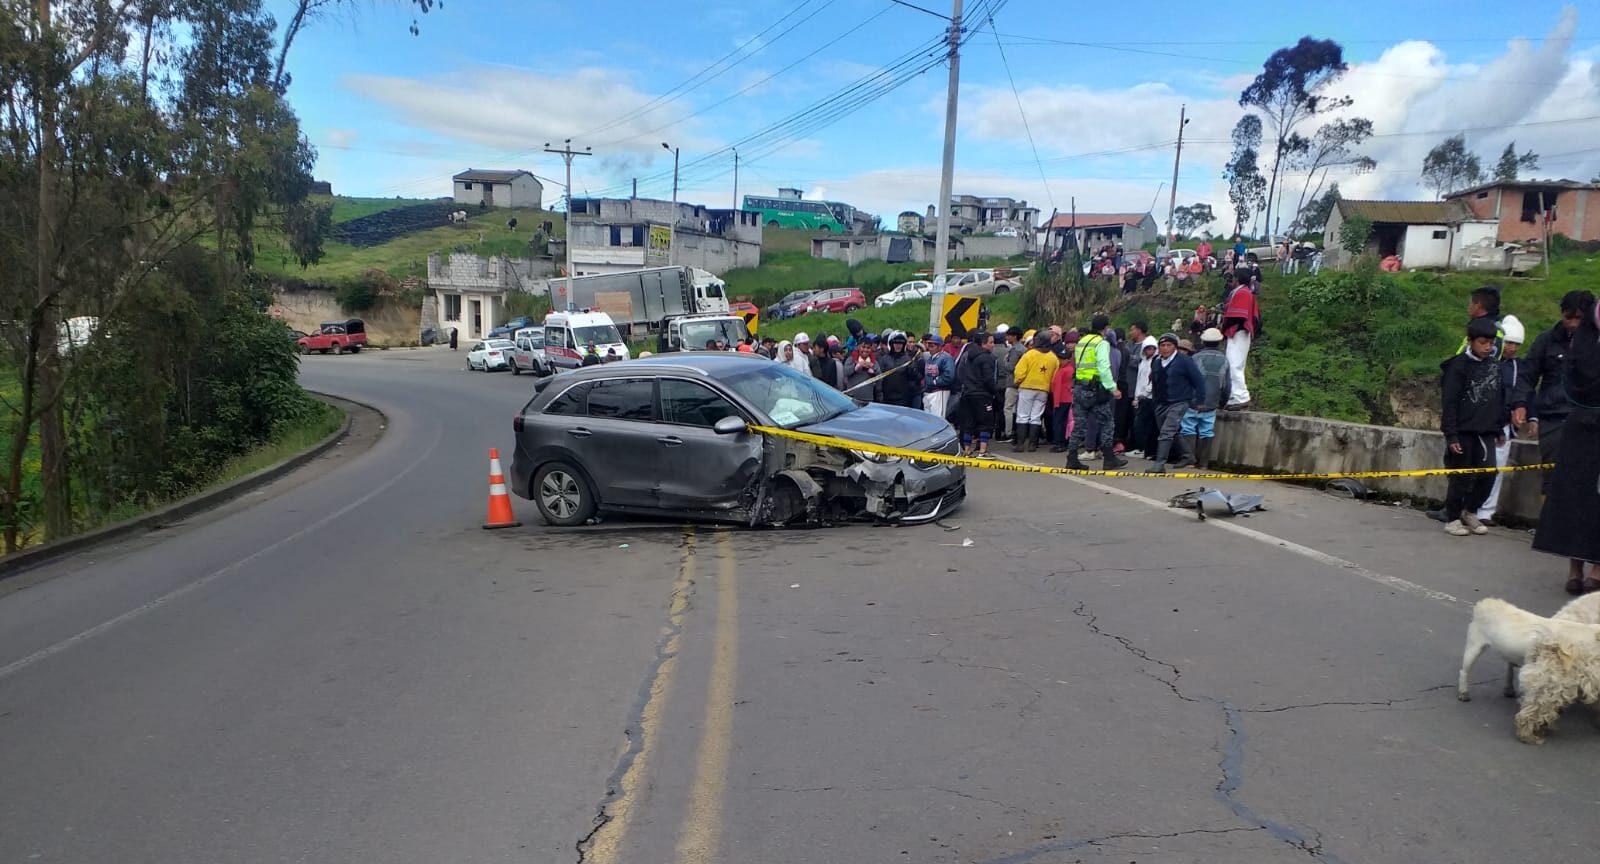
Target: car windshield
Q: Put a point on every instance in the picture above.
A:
(599, 334)
(796, 296)
(788, 397)
(728, 331)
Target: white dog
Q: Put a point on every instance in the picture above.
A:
(1559, 672)
(1584, 610)
(1514, 633)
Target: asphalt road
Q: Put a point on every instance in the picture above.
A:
(347, 668)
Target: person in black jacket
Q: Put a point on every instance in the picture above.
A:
(976, 378)
(902, 375)
(1473, 423)
(1539, 407)
(1566, 521)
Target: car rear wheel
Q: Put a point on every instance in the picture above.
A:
(355, 349)
(515, 369)
(562, 495)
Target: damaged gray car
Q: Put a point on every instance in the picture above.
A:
(666, 436)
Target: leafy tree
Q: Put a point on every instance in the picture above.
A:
(1331, 146)
(1246, 187)
(1314, 216)
(1288, 92)
(1450, 166)
(1189, 218)
(1510, 164)
(1354, 234)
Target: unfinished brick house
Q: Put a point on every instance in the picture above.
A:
(1572, 208)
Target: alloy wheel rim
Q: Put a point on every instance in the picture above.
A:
(559, 494)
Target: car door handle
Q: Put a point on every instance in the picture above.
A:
(670, 440)
(579, 432)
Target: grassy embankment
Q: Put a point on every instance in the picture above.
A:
(1360, 346)
(484, 233)
(290, 440)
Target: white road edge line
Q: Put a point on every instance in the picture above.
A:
(203, 581)
(1384, 579)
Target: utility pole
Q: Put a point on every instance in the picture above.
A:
(941, 251)
(1172, 203)
(672, 228)
(736, 178)
(566, 153)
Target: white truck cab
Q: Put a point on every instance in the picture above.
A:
(710, 293)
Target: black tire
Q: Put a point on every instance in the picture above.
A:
(772, 223)
(337, 349)
(515, 369)
(305, 349)
(851, 308)
(562, 495)
(355, 349)
(824, 229)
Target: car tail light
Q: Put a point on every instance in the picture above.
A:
(516, 423)
(494, 353)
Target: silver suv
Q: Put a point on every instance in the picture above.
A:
(667, 436)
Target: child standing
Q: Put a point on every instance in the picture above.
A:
(1473, 423)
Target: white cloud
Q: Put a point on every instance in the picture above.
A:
(341, 138)
(516, 111)
(1075, 119)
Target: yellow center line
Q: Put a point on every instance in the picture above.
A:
(604, 845)
(702, 827)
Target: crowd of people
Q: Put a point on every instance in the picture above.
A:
(1491, 395)
(1093, 393)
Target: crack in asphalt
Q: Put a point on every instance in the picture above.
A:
(1231, 763)
(1027, 855)
(634, 731)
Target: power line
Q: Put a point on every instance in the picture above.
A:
(1024, 114)
(919, 9)
(705, 75)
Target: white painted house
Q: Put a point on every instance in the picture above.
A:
(1423, 234)
(498, 189)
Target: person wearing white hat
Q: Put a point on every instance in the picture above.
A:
(800, 359)
(1512, 334)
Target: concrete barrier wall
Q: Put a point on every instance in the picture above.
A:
(1280, 443)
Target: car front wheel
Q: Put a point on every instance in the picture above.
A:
(851, 308)
(562, 495)
(337, 349)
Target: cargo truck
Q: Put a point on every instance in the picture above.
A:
(643, 298)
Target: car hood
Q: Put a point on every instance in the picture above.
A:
(888, 425)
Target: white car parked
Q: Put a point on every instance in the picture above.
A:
(979, 283)
(490, 354)
(916, 289)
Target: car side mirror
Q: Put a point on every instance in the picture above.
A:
(728, 426)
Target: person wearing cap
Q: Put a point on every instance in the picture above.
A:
(1061, 393)
(1093, 395)
(1200, 421)
(1175, 387)
(901, 383)
(1032, 378)
(1473, 417)
(1010, 353)
(1512, 333)
(938, 376)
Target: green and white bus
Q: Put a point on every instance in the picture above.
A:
(794, 213)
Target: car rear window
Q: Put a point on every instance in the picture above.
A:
(623, 399)
(574, 402)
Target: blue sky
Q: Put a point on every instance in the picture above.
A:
(486, 84)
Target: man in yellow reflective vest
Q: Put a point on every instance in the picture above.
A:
(1094, 395)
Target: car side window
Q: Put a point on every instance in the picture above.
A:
(476, 346)
(623, 399)
(691, 404)
(573, 403)
(523, 344)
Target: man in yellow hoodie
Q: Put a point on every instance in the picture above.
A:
(1032, 376)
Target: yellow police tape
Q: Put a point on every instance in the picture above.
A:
(996, 465)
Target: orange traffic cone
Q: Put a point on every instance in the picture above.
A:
(500, 515)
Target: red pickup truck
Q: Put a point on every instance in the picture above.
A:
(336, 336)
